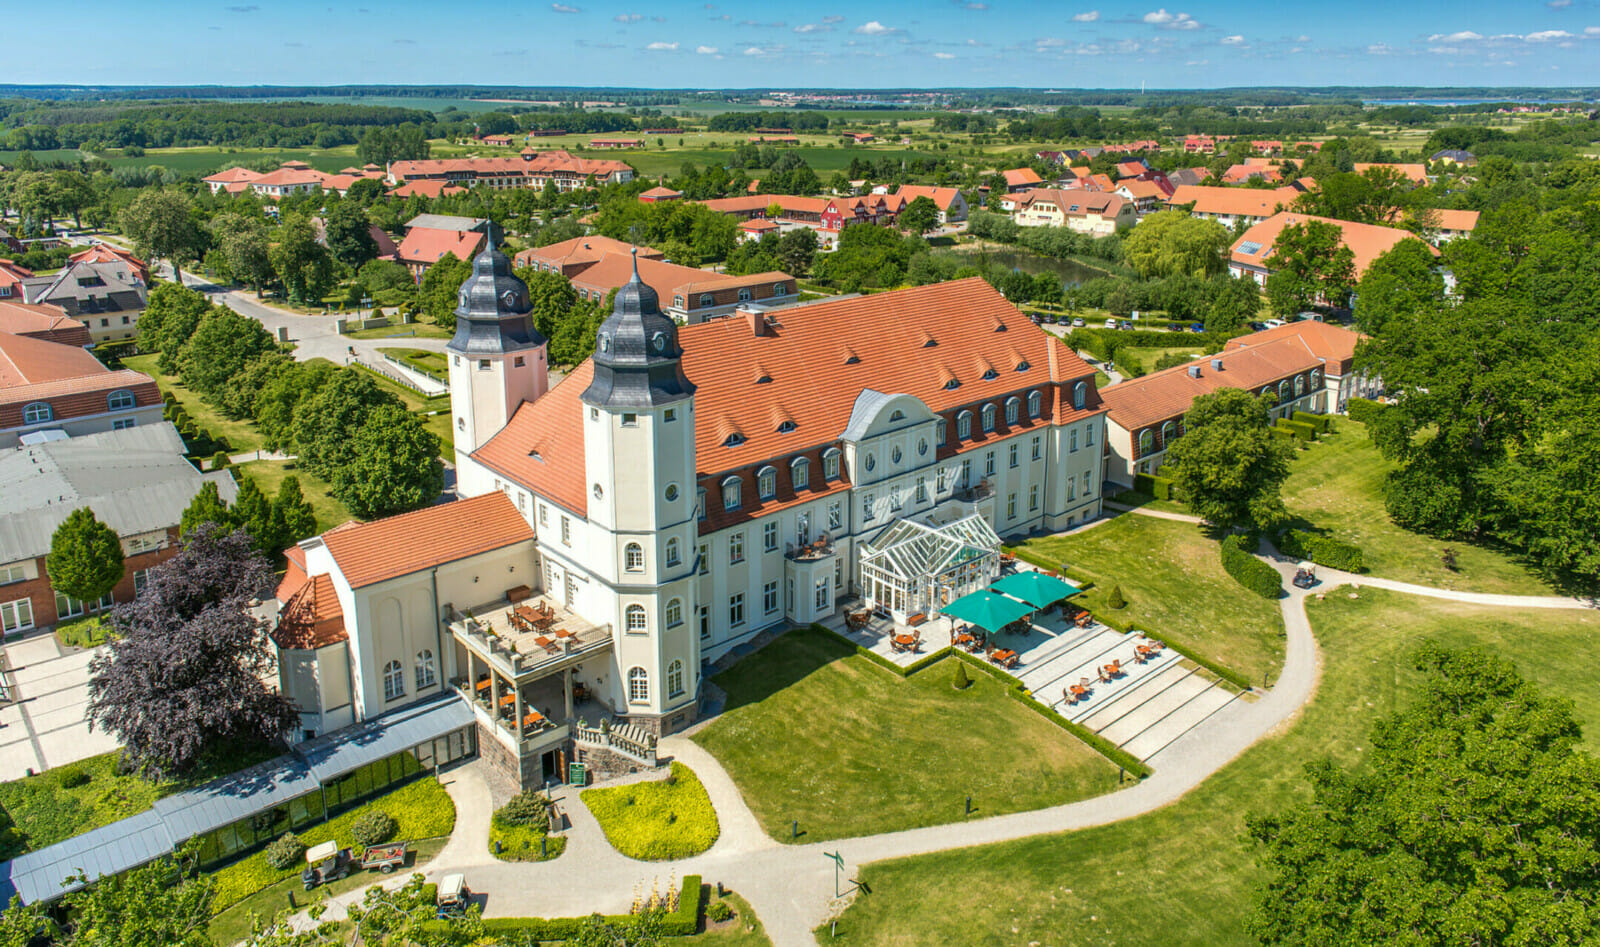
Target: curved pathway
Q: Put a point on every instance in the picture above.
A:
(790, 886)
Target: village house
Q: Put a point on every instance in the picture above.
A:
(1417, 174)
(1454, 224)
(1021, 179)
(430, 236)
(530, 169)
(660, 193)
(1146, 196)
(952, 206)
(1087, 212)
(614, 143)
(103, 290)
(1251, 254)
(11, 278)
(1230, 205)
(51, 387)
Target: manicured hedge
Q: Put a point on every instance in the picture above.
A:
(657, 821)
(1323, 423)
(1159, 487)
(683, 922)
(1323, 550)
(1249, 571)
(1363, 409)
(1299, 429)
(883, 662)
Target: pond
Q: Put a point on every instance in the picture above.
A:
(1071, 272)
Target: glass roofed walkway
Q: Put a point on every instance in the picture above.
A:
(912, 570)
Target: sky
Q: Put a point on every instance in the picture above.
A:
(813, 43)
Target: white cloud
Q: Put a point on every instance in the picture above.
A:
(1591, 31)
(813, 28)
(1235, 40)
(1088, 17)
(944, 55)
(1198, 62)
(1463, 36)
(833, 19)
(1171, 21)
(1545, 36)
(706, 50)
(755, 51)
(976, 42)
(563, 8)
(628, 17)
(874, 28)
(1559, 4)
(1379, 49)
(663, 47)
(1049, 41)
(977, 6)
(1302, 39)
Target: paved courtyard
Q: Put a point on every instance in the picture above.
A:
(42, 722)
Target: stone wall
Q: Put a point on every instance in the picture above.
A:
(606, 764)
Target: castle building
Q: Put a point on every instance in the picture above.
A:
(681, 491)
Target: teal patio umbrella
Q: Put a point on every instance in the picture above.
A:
(988, 610)
(1036, 588)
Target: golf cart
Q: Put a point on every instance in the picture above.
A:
(1305, 575)
(453, 894)
(324, 863)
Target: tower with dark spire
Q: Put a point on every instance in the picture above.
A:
(498, 359)
(638, 363)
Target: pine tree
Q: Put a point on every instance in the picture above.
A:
(252, 511)
(85, 558)
(962, 681)
(206, 507)
(293, 519)
(1116, 599)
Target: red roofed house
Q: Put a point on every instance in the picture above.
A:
(11, 277)
(49, 382)
(530, 168)
(101, 252)
(1089, 212)
(430, 236)
(657, 194)
(233, 180)
(952, 206)
(1021, 179)
(1229, 205)
(1452, 224)
(1250, 254)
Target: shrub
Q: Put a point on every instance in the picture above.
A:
(373, 828)
(1322, 422)
(1300, 429)
(1282, 432)
(1249, 571)
(654, 821)
(1323, 550)
(1158, 487)
(72, 778)
(526, 808)
(219, 460)
(1363, 409)
(285, 851)
(1116, 599)
(962, 680)
(719, 911)
(683, 922)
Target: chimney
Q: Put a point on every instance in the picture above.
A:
(757, 320)
(1216, 364)
(1194, 371)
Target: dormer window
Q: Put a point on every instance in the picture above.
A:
(767, 483)
(1023, 366)
(119, 400)
(706, 299)
(731, 493)
(37, 413)
(800, 473)
(744, 295)
(677, 302)
(830, 464)
(780, 289)
(952, 385)
(1013, 408)
(963, 425)
(1080, 395)
(990, 375)
(988, 418)
(733, 440)
(786, 427)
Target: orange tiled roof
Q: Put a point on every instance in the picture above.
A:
(1017, 177)
(1167, 394)
(369, 553)
(233, 176)
(541, 163)
(110, 253)
(42, 322)
(588, 249)
(287, 176)
(1462, 220)
(943, 197)
(661, 192)
(818, 360)
(1366, 241)
(427, 189)
(1232, 201)
(1415, 173)
(30, 361)
(311, 617)
(1335, 345)
(427, 245)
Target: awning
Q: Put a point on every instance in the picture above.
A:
(347, 750)
(1036, 588)
(988, 610)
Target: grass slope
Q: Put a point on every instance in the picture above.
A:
(269, 475)
(241, 435)
(815, 733)
(656, 821)
(1171, 574)
(1185, 875)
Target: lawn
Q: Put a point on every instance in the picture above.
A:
(435, 412)
(1338, 486)
(269, 474)
(666, 819)
(1185, 875)
(59, 803)
(815, 733)
(1171, 575)
(417, 330)
(744, 929)
(90, 631)
(1146, 358)
(423, 360)
(240, 435)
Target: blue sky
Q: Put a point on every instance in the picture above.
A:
(814, 43)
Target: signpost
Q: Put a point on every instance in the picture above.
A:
(838, 866)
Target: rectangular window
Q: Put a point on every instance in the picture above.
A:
(735, 549)
(630, 419)
(669, 415)
(966, 471)
(835, 516)
(824, 587)
(519, 361)
(544, 515)
(705, 622)
(1012, 456)
(1072, 440)
(769, 537)
(736, 610)
(1033, 499)
(1011, 506)
(120, 424)
(866, 507)
(988, 464)
(705, 558)
(16, 573)
(1086, 483)
(941, 431)
(1036, 447)
(769, 597)
(16, 616)
(566, 531)
(942, 481)
(894, 500)
(922, 489)
(700, 507)
(141, 578)
(1088, 435)
(1072, 489)
(483, 364)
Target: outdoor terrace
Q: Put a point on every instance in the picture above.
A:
(526, 635)
(820, 548)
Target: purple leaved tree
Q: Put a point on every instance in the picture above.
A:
(185, 675)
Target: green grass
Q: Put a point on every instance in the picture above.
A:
(657, 821)
(1147, 501)
(433, 363)
(1146, 359)
(269, 475)
(1171, 575)
(240, 435)
(744, 929)
(415, 402)
(523, 843)
(40, 810)
(90, 631)
(1185, 875)
(1337, 485)
(414, 330)
(815, 733)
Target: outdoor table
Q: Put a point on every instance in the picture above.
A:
(532, 719)
(508, 700)
(483, 685)
(563, 633)
(543, 642)
(964, 638)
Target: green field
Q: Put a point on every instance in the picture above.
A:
(206, 159)
(269, 475)
(240, 435)
(1171, 576)
(1185, 874)
(811, 731)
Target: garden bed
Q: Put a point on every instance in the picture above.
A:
(657, 821)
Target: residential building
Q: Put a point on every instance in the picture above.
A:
(1132, 168)
(1199, 145)
(531, 168)
(430, 236)
(1452, 224)
(1454, 156)
(1417, 174)
(1240, 173)
(613, 143)
(1335, 347)
(952, 206)
(658, 194)
(49, 323)
(1021, 179)
(51, 387)
(136, 480)
(828, 216)
(1230, 205)
(106, 295)
(1145, 196)
(1250, 254)
(232, 180)
(293, 178)
(1184, 176)
(1087, 212)
(679, 492)
(102, 252)
(11, 277)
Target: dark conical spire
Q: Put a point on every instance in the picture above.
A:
(492, 315)
(637, 360)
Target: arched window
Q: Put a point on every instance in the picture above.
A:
(638, 685)
(1316, 378)
(119, 400)
(730, 493)
(1283, 391)
(673, 555)
(637, 621)
(675, 679)
(1013, 409)
(897, 416)
(36, 413)
(677, 301)
(963, 425)
(1267, 391)
(1169, 431)
(988, 418)
(1080, 395)
(425, 673)
(706, 299)
(744, 295)
(394, 681)
(733, 440)
(800, 473)
(1147, 441)
(1023, 366)
(990, 374)
(767, 483)
(941, 430)
(1299, 385)
(780, 289)
(830, 463)
(674, 612)
(1034, 400)
(785, 427)
(633, 557)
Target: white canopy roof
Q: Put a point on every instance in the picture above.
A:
(911, 550)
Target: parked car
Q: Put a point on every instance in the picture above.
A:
(1257, 326)
(1197, 327)
(1077, 323)
(1036, 318)
(1126, 325)
(1111, 323)
(1273, 323)
(453, 894)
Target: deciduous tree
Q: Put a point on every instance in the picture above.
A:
(920, 216)
(349, 235)
(303, 264)
(1227, 464)
(85, 558)
(393, 466)
(161, 225)
(206, 507)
